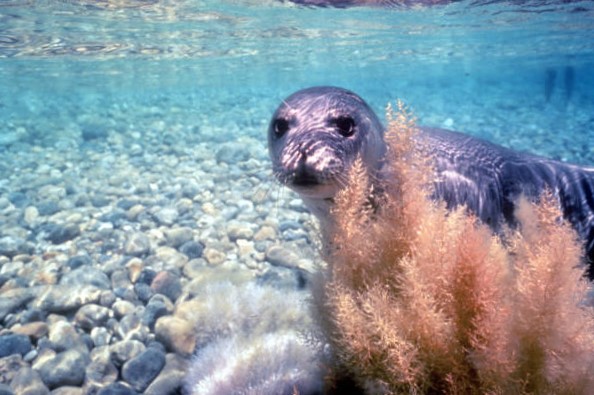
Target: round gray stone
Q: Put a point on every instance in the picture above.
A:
(14, 344)
(100, 372)
(64, 298)
(237, 230)
(28, 382)
(125, 350)
(86, 275)
(65, 368)
(59, 234)
(170, 380)
(140, 371)
(167, 216)
(100, 336)
(92, 315)
(68, 390)
(280, 256)
(9, 246)
(63, 336)
(131, 327)
(138, 244)
(178, 236)
(122, 307)
(117, 389)
(192, 249)
(14, 299)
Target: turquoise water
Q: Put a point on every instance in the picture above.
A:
(463, 61)
(134, 170)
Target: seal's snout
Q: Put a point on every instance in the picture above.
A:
(300, 171)
(308, 162)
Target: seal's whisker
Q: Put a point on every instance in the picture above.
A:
(258, 173)
(280, 191)
(280, 177)
(342, 180)
(262, 192)
(374, 178)
(287, 104)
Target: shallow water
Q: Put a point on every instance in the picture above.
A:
(132, 134)
(444, 61)
(483, 66)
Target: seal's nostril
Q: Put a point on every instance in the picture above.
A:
(303, 177)
(302, 155)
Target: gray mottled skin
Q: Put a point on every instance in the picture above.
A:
(316, 133)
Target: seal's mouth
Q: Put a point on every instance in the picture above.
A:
(309, 186)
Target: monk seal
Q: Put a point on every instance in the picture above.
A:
(316, 134)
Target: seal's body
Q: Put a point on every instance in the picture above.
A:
(316, 134)
(488, 179)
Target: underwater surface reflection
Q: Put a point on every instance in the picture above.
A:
(139, 218)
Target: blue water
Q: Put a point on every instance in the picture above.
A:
(122, 121)
(480, 65)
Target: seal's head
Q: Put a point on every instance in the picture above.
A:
(315, 136)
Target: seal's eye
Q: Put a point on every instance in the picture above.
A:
(281, 126)
(345, 125)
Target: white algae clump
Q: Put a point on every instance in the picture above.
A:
(257, 342)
